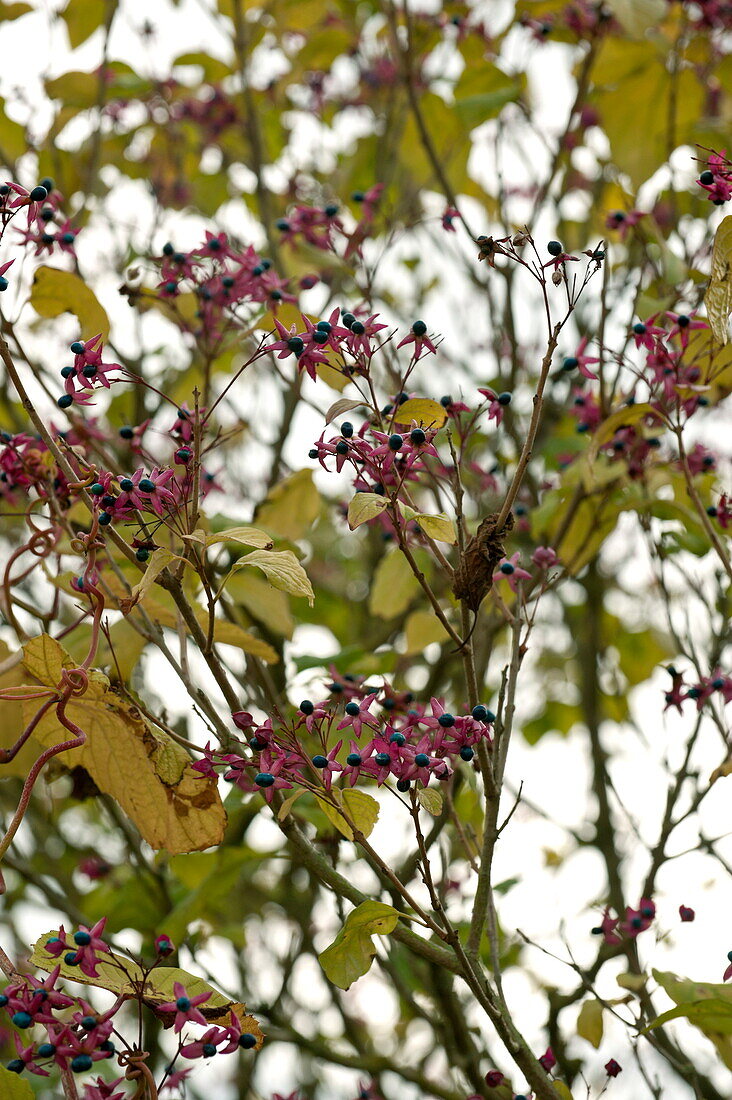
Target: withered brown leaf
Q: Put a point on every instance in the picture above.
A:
(474, 573)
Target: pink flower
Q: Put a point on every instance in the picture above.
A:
(579, 360)
(612, 1068)
(687, 915)
(418, 337)
(105, 1090)
(185, 1007)
(499, 402)
(544, 557)
(448, 218)
(623, 221)
(547, 1060)
(510, 570)
(358, 714)
(207, 1045)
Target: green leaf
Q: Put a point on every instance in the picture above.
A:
(707, 1005)
(82, 19)
(421, 629)
(350, 955)
(590, 1024)
(364, 507)
(362, 809)
(430, 800)
(12, 1087)
(160, 560)
(243, 536)
(262, 602)
(55, 292)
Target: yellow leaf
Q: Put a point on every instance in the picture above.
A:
(440, 527)
(148, 774)
(262, 602)
(638, 16)
(590, 1024)
(341, 406)
(56, 292)
(427, 413)
(11, 1086)
(160, 560)
(718, 298)
(394, 586)
(421, 629)
(83, 19)
(633, 982)
(282, 570)
(291, 507)
(226, 633)
(628, 414)
(244, 536)
(362, 809)
(365, 506)
(562, 1090)
(430, 800)
(11, 724)
(286, 807)
(46, 659)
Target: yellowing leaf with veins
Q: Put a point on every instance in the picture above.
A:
(362, 809)
(148, 774)
(352, 952)
(365, 506)
(55, 291)
(440, 527)
(282, 570)
(718, 298)
(394, 586)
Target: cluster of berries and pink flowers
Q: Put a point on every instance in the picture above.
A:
(47, 231)
(402, 740)
(76, 1036)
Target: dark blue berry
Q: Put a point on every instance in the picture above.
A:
(320, 337)
(353, 709)
(296, 344)
(683, 321)
(395, 442)
(282, 224)
(90, 370)
(46, 182)
(347, 429)
(82, 939)
(398, 739)
(446, 720)
(313, 452)
(22, 1019)
(570, 363)
(108, 1047)
(208, 1050)
(504, 398)
(47, 238)
(264, 779)
(97, 489)
(403, 785)
(636, 922)
(71, 958)
(647, 912)
(353, 759)
(348, 319)
(145, 485)
(554, 248)
(170, 287)
(357, 196)
(341, 447)
(183, 455)
(382, 759)
(127, 432)
(38, 194)
(421, 760)
(324, 326)
(446, 401)
(66, 372)
(89, 1023)
(81, 1063)
(706, 177)
(16, 1065)
(639, 328)
(320, 761)
(466, 753)
(227, 282)
(417, 436)
(306, 707)
(142, 554)
(358, 328)
(330, 210)
(335, 688)
(507, 568)
(68, 238)
(168, 249)
(183, 1004)
(246, 1040)
(4, 284)
(104, 519)
(45, 1050)
(3, 1000)
(419, 328)
(65, 401)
